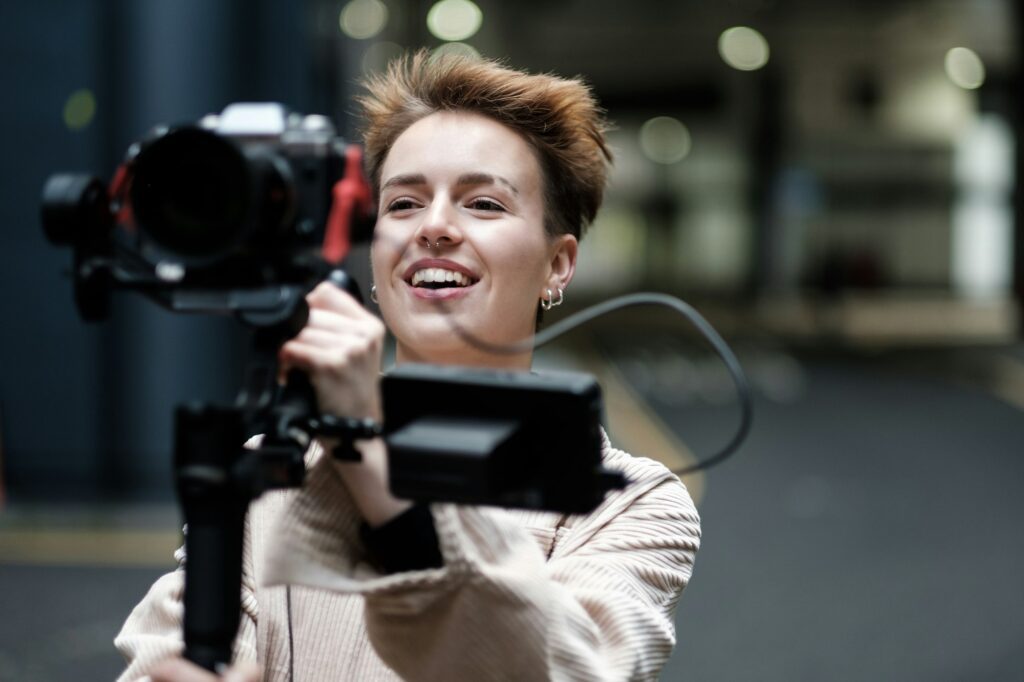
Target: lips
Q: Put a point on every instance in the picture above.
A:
(433, 274)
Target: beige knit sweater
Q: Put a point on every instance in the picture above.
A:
(521, 596)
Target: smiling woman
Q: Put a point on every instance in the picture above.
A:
(478, 213)
(486, 179)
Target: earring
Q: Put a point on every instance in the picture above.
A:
(373, 293)
(551, 302)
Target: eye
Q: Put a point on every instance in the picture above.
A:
(483, 204)
(401, 204)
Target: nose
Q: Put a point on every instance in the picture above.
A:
(439, 226)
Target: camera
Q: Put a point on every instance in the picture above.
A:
(244, 199)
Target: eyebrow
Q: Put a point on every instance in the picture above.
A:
(485, 179)
(403, 180)
(464, 179)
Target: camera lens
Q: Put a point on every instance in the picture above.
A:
(191, 193)
(75, 208)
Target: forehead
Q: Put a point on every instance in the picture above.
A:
(451, 143)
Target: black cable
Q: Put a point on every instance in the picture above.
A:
(291, 637)
(575, 320)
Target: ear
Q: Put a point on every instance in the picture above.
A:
(563, 262)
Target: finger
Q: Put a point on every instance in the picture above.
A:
(369, 328)
(298, 355)
(331, 356)
(320, 338)
(330, 339)
(180, 670)
(327, 295)
(329, 318)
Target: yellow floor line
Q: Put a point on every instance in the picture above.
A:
(89, 547)
(637, 428)
(1008, 382)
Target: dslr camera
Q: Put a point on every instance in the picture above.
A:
(254, 197)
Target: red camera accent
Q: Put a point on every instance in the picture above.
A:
(351, 197)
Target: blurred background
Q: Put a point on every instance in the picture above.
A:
(836, 184)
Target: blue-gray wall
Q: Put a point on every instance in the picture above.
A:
(86, 410)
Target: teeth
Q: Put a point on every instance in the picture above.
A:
(439, 275)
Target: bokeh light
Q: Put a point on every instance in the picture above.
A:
(454, 19)
(80, 109)
(664, 139)
(462, 49)
(965, 68)
(743, 48)
(362, 19)
(378, 55)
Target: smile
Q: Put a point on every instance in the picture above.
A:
(440, 278)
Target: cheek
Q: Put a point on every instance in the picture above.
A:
(523, 268)
(383, 256)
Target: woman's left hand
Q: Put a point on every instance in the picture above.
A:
(340, 349)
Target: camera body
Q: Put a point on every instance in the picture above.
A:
(215, 216)
(239, 199)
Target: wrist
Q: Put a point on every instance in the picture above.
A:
(340, 435)
(367, 482)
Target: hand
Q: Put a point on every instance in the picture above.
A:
(340, 348)
(180, 670)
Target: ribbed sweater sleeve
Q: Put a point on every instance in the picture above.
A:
(599, 608)
(153, 631)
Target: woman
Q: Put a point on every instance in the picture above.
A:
(486, 179)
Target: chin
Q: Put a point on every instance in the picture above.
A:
(435, 343)
(448, 338)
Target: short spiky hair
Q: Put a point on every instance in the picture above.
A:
(558, 117)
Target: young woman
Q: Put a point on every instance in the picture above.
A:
(486, 179)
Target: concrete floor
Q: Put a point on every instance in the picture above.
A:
(59, 621)
(869, 529)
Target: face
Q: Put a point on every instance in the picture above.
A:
(460, 241)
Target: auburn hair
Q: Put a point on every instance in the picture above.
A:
(558, 117)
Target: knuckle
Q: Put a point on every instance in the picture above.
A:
(341, 358)
(320, 293)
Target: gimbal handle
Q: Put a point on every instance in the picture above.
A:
(217, 478)
(214, 502)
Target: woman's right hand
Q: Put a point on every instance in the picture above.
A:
(340, 348)
(180, 670)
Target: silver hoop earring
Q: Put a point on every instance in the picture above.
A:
(551, 302)
(373, 293)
